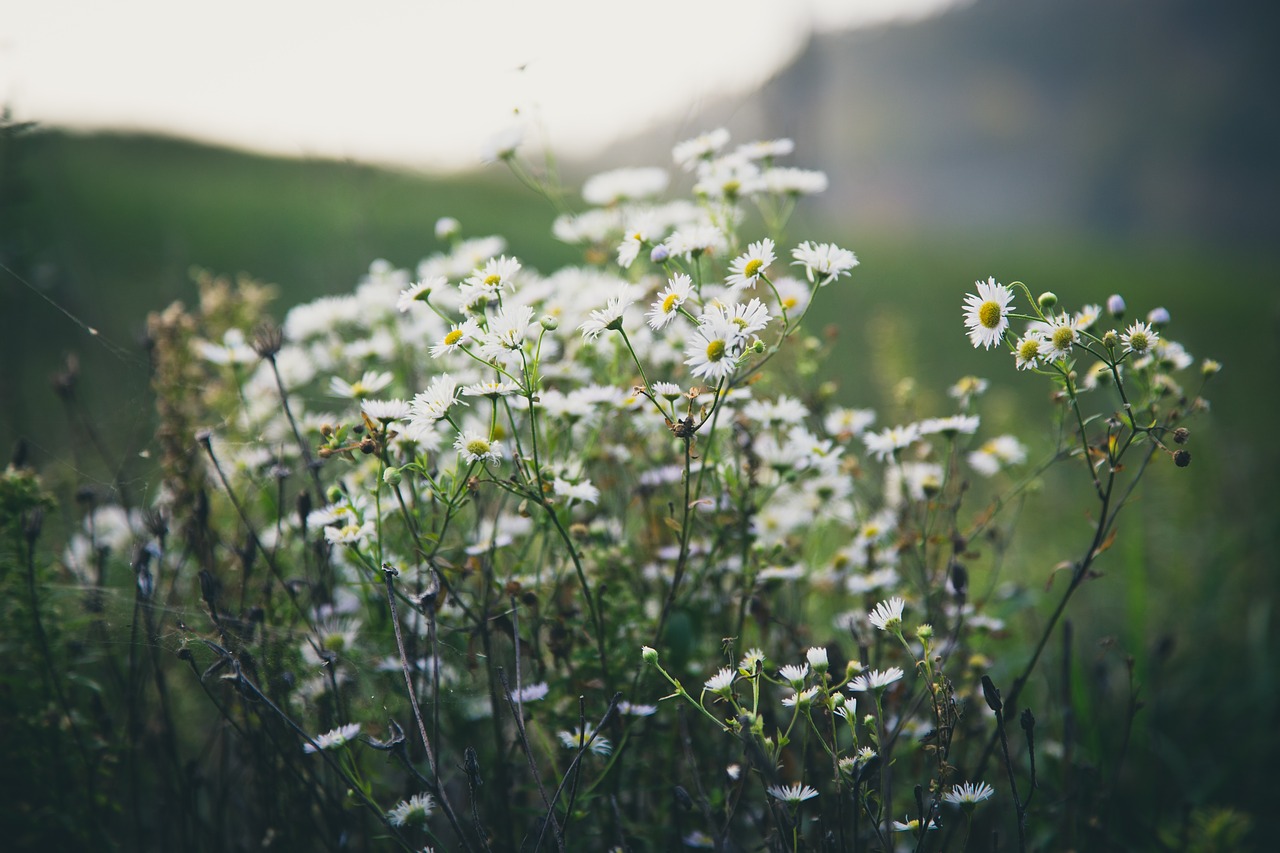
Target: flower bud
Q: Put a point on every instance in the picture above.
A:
(1110, 339)
(1158, 316)
(1210, 367)
(1047, 300)
(649, 655)
(549, 323)
(659, 254)
(1182, 458)
(392, 476)
(1115, 305)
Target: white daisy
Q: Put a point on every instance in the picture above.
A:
(477, 447)
(497, 274)
(609, 317)
(986, 315)
(419, 292)
(1061, 336)
(721, 682)
(332, 739)
(580, 738)
(792, 794)
(712, 350)
(366, 386)
(385, 410)
(414, 810)
(1139, 338)
(687, 154)
(875, 680)
(581, 491)
(968, 794)
(458, 336)
(1030, 350)
(611, 187)
(825, 260)
(887, 615)
(491, 389)
(888, 442)
(434, 403)
(665, 308)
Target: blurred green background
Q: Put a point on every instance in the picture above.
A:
(1086, 148)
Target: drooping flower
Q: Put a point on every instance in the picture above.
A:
(826, 261)
(585, 738)
(665, 308)
(332, 739)
(414, 810)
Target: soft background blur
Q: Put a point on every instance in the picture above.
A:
(1083, 146)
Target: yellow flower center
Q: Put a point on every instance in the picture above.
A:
(359, 390)
(1063, 338)
(715, 350)
(492, 280)
(1139, 342)
(989, 314)
(669, 304)
(752, 268)
(790, 302)
(477, 447)
(453, 337)
(1030, 349)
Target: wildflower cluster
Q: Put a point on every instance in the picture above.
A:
(465, 494)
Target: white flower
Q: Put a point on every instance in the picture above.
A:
(579, 738)
(753, 658)
(696, 240)
(612, 187)
(502, 144)
(349, 534)
(419, 292)
(497, 274)
(366, 386)
(766, 149)
(968, 387)
(712, 351)
(842, 422)
(794, 675)
(789, 181)
(531, 692)
(414, 810)
(332, 739)
(986, 315)
(968, 794)
(1061, 336)
(609, 317)
(385, 410)
(817, 657)
(997, 453)
(953, 425)
(634, 710)
(793, 794)
(507, 330)
(665, 308)
(447, 228)
(434, 403)
(721, 682)
(887, 615)
(912, 825)
(458, 336)
(803, 698)
(582, 491)
(887, 442)
(1030, 350)
(687, 154)
(875, 680)
(748, 319)
(477, 447)
(826, 260)
(1139, 338)
(492, 388)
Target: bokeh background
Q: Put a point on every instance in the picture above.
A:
(1087, 147)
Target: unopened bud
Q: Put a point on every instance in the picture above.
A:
(392, 476)
(1115, 305)
(1158, 316)
(1047, 300)
(659, 254)
(447, 228)
(549, 323)
(649, 655)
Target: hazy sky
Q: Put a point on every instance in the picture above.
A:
(418, 82)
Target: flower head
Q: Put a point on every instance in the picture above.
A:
(1061, 336)
(888, 615)
(332, 739)
(826, 261)
(746, 269)
(1030, 350)
(986, 314)
(414, 810)
(792, 794)
(477, 447)
(875, 680)
(585, 738)
(968, 794)
(1139, 338)
(609, 317)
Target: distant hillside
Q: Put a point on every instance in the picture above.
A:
(1143, 118)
